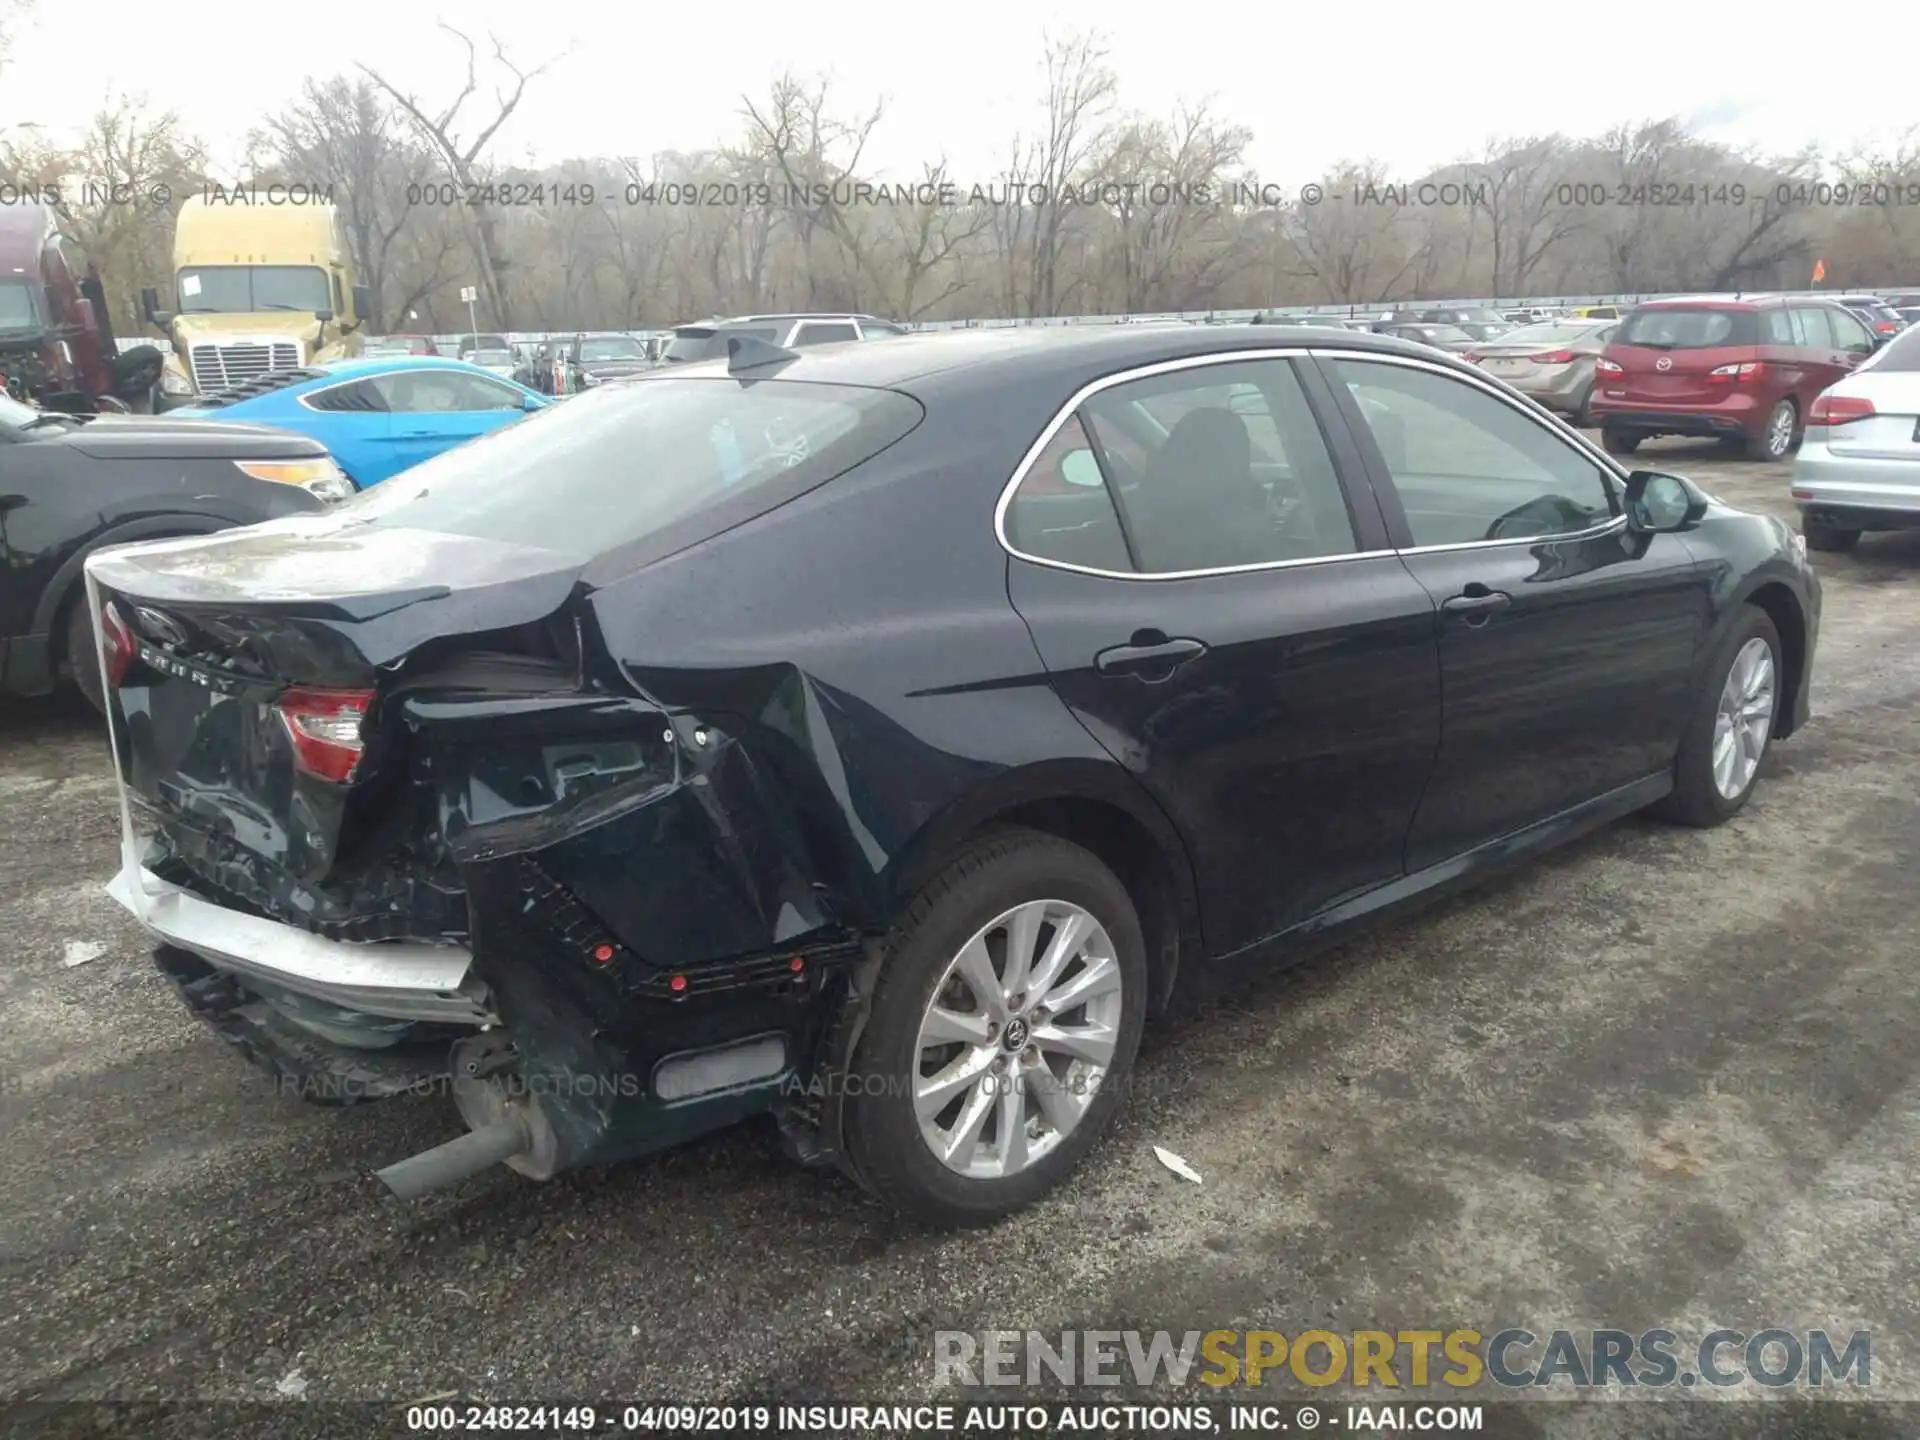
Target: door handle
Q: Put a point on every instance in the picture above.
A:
(1158, 659)
(1477, 604)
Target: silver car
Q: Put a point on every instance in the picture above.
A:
(1859, 464)
(1551, 363)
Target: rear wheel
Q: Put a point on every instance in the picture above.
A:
(1778, 436)
(1002, 1032)
(1832, 538)
(1618, 442)
(1732, 722)
(1582, 412)
(83, 653)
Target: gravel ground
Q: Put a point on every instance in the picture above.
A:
(1662, 1077)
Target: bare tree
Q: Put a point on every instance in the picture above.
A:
(464, 159)
(817, 159)
(1515, 186)
(1080, 91)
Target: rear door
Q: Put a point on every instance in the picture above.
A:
(1215, 600)
(1566, 645)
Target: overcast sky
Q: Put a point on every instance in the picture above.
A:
(1413, 85)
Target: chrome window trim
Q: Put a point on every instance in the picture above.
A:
(1550, 424)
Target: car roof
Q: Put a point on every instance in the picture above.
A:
(389, 364)
(1040, 355)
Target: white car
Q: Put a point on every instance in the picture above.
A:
(500, 362)
(1859, 463)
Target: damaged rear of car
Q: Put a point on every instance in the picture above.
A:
(398, 813)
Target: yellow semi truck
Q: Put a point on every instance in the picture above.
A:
(257, 286)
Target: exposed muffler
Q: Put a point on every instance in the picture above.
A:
(507, 1128)
(454, 1161)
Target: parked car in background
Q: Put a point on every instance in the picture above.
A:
(1595, 312)
(1441, 337)
(1551, 362)
(1908, 313)
(72, 485)
(1478, 324)
(1324, 322)
(399, 345)
(1859, 466)
(496, 362)
(1532, 315)
(952, 825)
(1744, 371)
(592, 359)
(379, 416)
(1880, 317)
(708, 340)
(468, 343)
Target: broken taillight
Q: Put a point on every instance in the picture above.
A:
(324, 726)
(117, 645)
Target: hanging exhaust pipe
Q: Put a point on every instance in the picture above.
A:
(454, 1161)
(505, 1128)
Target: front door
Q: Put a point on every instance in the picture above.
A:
(1225, 618)
(1567, 646)
(433, 410)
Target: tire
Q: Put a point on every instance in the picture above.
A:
(1697, 797)
(1834, 539)
(1618, 442)
(82, 653)
(886, 1148)
(1778, 436)
(1581, 416)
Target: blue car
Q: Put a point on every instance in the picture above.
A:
(379, 414)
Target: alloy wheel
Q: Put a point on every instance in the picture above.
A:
(1743, 719)
(1017, 1039)
(1780, 430)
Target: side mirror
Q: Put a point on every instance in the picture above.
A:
(150, 309)
(363, 301)
(1660, 504)
(323, 316)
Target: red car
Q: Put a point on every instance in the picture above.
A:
(1745, 371)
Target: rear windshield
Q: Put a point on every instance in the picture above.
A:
(712, 345)
(1901, 354)
(1679, 328)
(667, 460)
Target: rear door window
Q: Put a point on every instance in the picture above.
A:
(1776, 328)
(1063, 511)
(1677, 327)
(645, 468)
(1815, 333)
(819, 334)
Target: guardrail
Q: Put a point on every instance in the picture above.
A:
(1241, 317)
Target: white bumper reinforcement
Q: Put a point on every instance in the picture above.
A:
(401, 979)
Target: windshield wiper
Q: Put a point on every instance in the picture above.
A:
(281, 305)
(51, 417)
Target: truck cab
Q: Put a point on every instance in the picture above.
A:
(256, 287)
(57, 348)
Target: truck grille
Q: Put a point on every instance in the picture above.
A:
(215, 367)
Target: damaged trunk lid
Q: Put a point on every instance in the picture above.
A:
(257, 683)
